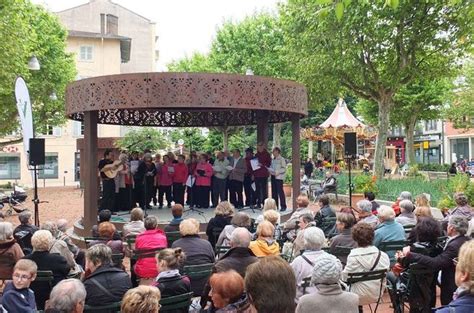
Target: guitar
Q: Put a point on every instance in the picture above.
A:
(111, 170)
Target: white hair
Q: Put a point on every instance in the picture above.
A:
(67, 294)
(6, 231)
(386, 213)
(313, 238)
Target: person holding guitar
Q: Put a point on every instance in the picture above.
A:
(108, 183)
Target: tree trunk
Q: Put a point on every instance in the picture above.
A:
(225, 138)
(277, 135)
(410, 133)
(383, 125)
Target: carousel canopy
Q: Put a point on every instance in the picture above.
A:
(341, 117)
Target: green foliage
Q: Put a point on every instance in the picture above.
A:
(288, 175)
(197, 62)
(364, 183)
(192, 137)
(138, 140)
(433, 167)
(458, 183)
(25, 30)
(413, 170)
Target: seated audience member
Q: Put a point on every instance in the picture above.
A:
(404, 195)
(198, 251)
(10, 251)
(265, 244)
(169, 280)
(240, 219)
(105, 284)
(306, 222)
(60, 247)
(106, 234)
(227, 293)
(328, 296)
(423, 200)
(42, 241)
(464, 295)
(223, 216)
(25, 231)
(365, 258)
(345, 219)
(302, 203)
(141, 299)
(17, 295)
(370, 196)
(67, 296)
(136, 225)
(321, 218)
(63, 235)
(423, 287)
(273, 217)
(266, 281)
(413, 236)
(388, 229)
(151, 238)
(268, 204)
(457, 228)
(104, 216)
(421, 212)
(406, 217)
(328, 184)
(303, 265)
(366, 215)
(177, 211)
(462, 207)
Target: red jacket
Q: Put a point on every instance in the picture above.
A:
(206, 179)
(165, 176)
(265, 160)
(149, 239)
(180, 173)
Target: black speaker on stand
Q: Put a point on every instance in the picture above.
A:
(36, 157)
(350, 152)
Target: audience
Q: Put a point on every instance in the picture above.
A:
(464, 295)
(68, 296)
(328, 296)
(265, 244)
(240, 219)
(266, 281)
(107, 233)
(388, 229)
(104, 216)
(177, 212)
(302, 203)
(268, 204)
(60, 247)
(306, 221)
(105, 284)
(25, 231)
(274, 217)
(457, 228)
(366, 213)
(345, 219)
(423, 200)
(63, 235)
(370, 196)
(142, 299)
(136, 225)
(10, 251)
(324, 214)
(404, 195)
(17, 295)
(227, 292)
(42, 241)
(169, 280)
(421, 212)
(406, 217)
(462, 207)
(223, 216)
(198, 251)
(151, 239)
(303, 265)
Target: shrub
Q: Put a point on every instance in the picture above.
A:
(433, 167)
(458, 183)
(288, 175)
(364, 183)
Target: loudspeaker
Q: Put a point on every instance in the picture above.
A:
(350, 145)
(37, 156)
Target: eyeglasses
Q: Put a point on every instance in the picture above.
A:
(21, 277)
(455, 261)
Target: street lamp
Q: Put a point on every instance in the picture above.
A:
(33, 64)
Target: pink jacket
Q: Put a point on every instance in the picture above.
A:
(165, 177)
(149, 239)
(203, 180)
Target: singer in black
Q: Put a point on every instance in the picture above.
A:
(146, 177)
(108, 184)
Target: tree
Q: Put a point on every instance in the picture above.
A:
(141, 139)
(197, 62)
(28, 30)
(192, 137)
(374, 52)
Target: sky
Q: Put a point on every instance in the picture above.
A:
(183, 26)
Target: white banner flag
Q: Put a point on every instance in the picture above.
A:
(23, 105)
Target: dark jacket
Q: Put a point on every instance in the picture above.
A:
(343, 239)
(216, 224)
(174, 285)
(444, 262)
(18, 300)
(47, 262)
(23, 234)
(113, 279)
(173, 225)
(198, 251)
(325, 212)
(463, 304)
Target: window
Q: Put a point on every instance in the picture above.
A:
(78, 128)
(431, 125)
(85, 53)
(10, 166)
(77, 166)
(50, 168)
(53, 131)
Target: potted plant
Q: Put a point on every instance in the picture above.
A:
(288, 182)
(362, 183)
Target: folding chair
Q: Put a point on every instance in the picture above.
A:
(172, 236)
(170, 304)
(112, 307)
(408, 229)
(368, 276)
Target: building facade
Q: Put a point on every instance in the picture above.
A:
(459, 143)
(106, 39)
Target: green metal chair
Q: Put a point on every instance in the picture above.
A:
(112, 307)
(396, 245)
(368, 276)
(88, 240)
(306, 283)
(130, 239)
(221, 250)
(45, 276)
(170, 304)
(408, 229)
(198, 271)
(172, 236)
(341, 251)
